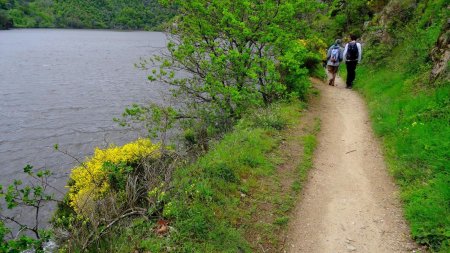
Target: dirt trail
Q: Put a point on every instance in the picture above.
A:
(350, 203)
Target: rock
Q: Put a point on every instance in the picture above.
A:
(440, 55)
(351, 248)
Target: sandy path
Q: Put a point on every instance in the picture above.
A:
(350, 203)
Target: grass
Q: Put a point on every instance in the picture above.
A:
(414, 124)
(235, 198)
(412, 117)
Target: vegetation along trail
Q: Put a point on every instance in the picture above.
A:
(350, 202)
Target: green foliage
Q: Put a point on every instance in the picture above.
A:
(135, 14)
(292, 62)
(17, 245)
(33, 195)
(5, 20)
(117, 174)
(342, 17)
(415, 25)
(156, 119)
(227, 56)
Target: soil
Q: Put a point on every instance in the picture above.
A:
(350, 202)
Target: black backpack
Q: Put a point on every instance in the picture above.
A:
(352, 52)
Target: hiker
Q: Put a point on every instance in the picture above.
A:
(334, 57)
(352, 56)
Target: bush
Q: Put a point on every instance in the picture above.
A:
(109, 188)
(94, 178)
(294, 65)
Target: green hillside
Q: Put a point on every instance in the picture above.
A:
(405, 80)
(105, 14)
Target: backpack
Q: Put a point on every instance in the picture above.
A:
(334, 55)
(352, 52)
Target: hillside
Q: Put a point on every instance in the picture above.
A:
(104, 14)
(405, 80)
(404, 77)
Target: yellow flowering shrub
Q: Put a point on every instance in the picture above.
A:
(315, 44)
(89, 181)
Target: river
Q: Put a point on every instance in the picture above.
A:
(64, 87)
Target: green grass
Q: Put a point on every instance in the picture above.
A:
(414, 123)
(309, 145)
(412, 117)
(231, 199)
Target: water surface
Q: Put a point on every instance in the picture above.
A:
(64, 87)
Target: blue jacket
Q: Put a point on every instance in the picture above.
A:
(341, 56)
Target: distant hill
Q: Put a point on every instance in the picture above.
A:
(104, 14)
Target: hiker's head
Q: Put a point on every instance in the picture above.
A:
(338, 42)
(353, 37)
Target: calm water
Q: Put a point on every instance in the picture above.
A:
(65, 86)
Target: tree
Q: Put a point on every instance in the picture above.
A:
(225, 56)
(5, 21)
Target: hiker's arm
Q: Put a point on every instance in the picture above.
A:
(345, 52)
(360, 52)
(329, 54)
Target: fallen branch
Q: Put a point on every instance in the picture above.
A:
(90, 237)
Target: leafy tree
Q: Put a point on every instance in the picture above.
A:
(226, 56)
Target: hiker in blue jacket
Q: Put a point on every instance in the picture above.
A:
(352, 56)
(334, 57)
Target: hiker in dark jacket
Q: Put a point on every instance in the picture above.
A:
(334, 57)
(352, 56)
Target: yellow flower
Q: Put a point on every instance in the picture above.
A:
(90, 181)
(315, 44)
(302, 42)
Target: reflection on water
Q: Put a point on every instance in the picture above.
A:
(65, 86)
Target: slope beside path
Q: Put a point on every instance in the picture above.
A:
(350, 203)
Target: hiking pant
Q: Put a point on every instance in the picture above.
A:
(351, 67)
(332, 70)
